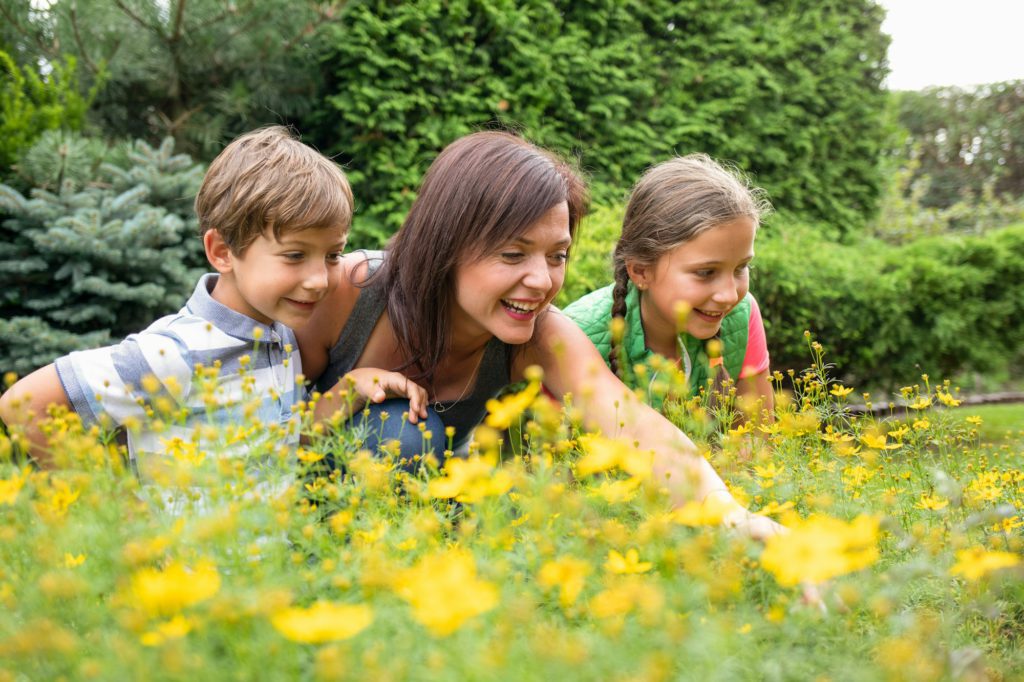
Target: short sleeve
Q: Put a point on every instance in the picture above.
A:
(117, 381)
(756, 360)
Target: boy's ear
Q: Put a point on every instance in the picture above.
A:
(639, 273)
(217, 251)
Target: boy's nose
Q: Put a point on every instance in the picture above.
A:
(316, 278)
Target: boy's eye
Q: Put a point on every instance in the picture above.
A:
(294, 255)
(704, 274)
(744, 269)
(334, 257)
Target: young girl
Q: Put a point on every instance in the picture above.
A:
(686, 245)
(459, 303)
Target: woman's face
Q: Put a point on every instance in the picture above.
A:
(502, 292)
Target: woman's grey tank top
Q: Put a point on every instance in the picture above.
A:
(493, 375)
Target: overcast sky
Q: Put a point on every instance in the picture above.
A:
(954, 42)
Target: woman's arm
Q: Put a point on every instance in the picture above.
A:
(571, 364)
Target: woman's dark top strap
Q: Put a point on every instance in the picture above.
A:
(495, 366)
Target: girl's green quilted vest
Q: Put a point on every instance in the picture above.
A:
(593, 314)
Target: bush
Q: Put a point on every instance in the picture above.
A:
(85, 262)
(942, 305)
(31, 104)
(791, 93)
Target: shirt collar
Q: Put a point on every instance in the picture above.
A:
(230, 321)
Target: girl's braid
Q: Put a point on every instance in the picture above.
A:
(618, 310)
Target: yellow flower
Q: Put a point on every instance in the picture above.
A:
(624, 598)
(947, 399)
(444, 591)
(604, 454)
(630, 563)
(175, 587)
(175, 628)
(470, 480)
(617, 492)
(974, 420)
(921, 403)
(10, 487)
(931, 502)
(501, 413)
(568, 574)
(322, 622)
(877, 442)
(976, 562)
(72, 560)
(773, 508)
(820, 548)
(840, 391)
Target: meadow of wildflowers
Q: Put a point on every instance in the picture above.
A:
(548, 553)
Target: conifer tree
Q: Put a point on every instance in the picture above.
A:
(93, 255)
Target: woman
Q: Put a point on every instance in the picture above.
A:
(460, 303)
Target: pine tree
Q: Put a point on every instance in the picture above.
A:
(92, 259)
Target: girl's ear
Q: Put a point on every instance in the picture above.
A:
(217, 251)
(639, 273)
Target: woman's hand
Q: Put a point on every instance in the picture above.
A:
(370, 384)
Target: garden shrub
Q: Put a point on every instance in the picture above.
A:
(790, 92)
(31, 104)
(92, 260)
(943, 305)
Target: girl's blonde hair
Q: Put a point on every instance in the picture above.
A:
(672, 203)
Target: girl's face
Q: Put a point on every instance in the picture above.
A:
(710, 273)
(502, 292)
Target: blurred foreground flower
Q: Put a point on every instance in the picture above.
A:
(604, 454)
(444, 591)
(10, 487)
(820, 548)
(976, 562)
(322, 622)
(568, 574)
(169, 590)
(470, 480)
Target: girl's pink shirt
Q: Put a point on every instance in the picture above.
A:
(756, 360)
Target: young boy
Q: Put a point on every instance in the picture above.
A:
(274, 215)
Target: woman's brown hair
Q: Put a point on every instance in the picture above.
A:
(482, 190)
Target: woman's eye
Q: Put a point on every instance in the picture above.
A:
(511, 256)
(559, 258)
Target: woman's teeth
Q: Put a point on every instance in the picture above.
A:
(520, 307)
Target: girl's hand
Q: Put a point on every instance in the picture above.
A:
(377, 385)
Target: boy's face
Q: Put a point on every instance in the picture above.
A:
(282, 281)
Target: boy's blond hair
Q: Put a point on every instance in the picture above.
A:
(269, 179)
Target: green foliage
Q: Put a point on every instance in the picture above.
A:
(788, 90)
(31, 104)
(944, 305)
(87, 260)
(200, 71)
(940, 305)
(964, 143)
